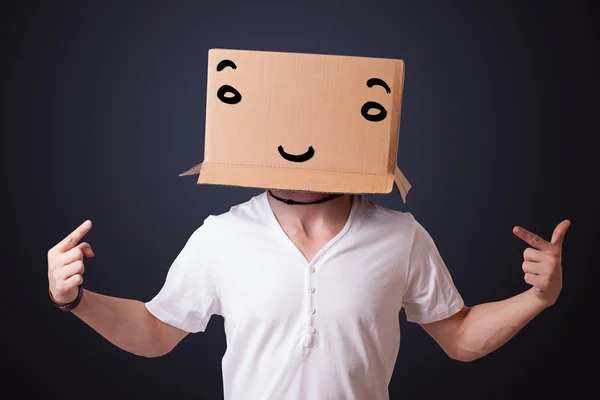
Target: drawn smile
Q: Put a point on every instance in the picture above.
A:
(297, 157)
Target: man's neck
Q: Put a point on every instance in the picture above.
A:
(311, 219)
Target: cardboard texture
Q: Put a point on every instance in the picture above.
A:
(311, 122)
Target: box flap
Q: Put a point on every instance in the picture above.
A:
(402, 184)
(192, 171)
(276, 178)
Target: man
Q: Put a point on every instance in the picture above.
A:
(310, 286)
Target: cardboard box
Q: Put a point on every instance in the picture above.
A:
(310, 122)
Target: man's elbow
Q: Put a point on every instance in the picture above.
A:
(463, 355)
(148, 351)
(461, 351)
(161, 338)
(157, 350)
(464, 348)
(154, 354)
(157, 344)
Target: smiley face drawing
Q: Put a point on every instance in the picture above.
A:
(301, 121)
(229, 95)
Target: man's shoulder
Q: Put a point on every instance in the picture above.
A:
(384, 225)
(242, 216)
(377, 214)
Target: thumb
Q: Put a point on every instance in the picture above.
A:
(86, 249)
(559, 233)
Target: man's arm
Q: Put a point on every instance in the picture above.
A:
(476, 331)
(123, 322)
(128, 324)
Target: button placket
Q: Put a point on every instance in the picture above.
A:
(310, 338)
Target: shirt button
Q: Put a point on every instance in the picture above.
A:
(309, 341)
(311, 330)
(311, 289)
(312, 310)
(312, 269)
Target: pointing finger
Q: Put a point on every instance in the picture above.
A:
(71, 241)
(532, 239)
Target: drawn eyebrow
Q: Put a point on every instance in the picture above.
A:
(226, 63)
(378, 82)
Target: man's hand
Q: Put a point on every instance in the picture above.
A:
(65, 264)
(543, 262)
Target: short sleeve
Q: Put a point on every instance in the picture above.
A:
(189, 296)
(430, 293)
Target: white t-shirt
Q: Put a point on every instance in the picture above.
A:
(325, 329)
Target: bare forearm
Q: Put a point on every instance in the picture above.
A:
(125, 323)
(488, 326)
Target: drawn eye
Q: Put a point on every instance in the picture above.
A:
(370, 105)
(233, 98)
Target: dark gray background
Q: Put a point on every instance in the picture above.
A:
(103, 105)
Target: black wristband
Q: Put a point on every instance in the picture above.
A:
(69, 306)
